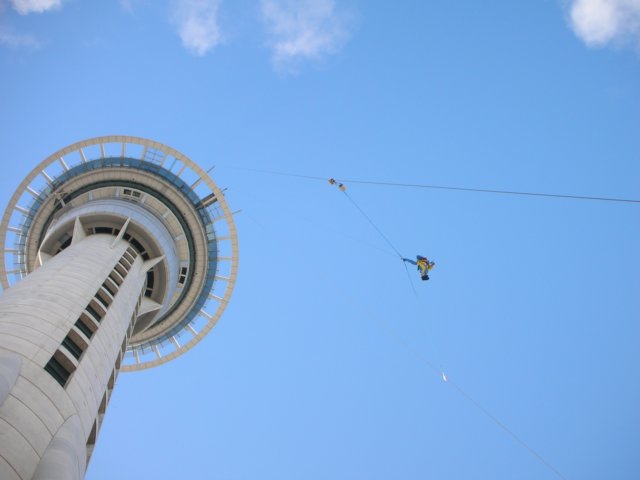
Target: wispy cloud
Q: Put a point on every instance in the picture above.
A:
(303, 29)
(23, 7)
(197, 23)
(130, 6)
(127, 5)
(15, 40)
(599, 22)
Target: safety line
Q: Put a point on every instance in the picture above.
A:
(505, 429)
(372, 224)
(413, 288)
(485, 190)
(419, 356)
(409, 277)
(443, 187)
(334, 231)
(383, 325)
(444, 377)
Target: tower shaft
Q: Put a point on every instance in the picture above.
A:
(120, 254)
(63, 331)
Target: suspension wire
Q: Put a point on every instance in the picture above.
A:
(486, 190)
(332, 230)
(373, 224)
(390, 333)
(416, 354)
(505, 428)
(311, 177)
(445, 378)
(404, 264)
(475, 403)
(409, 278)
(444, 187)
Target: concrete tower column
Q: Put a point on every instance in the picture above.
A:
(63, 330)
(120, 254)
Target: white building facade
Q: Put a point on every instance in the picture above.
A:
(120, 254)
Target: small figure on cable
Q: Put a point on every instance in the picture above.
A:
(423, 264)
(341, 186)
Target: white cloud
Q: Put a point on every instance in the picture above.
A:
(23, 7)
(11, 39)
(303, 29)
(197, 22)
(598, 22)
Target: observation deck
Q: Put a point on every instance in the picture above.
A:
(157, 199)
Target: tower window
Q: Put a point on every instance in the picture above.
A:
(121, 270)
(72, 347)
(93, 312)
(128, 192)
(137, 245)
(110, 287)
(117, 279)
(58, 371)
(91, 441)
(89, 321)
(64, 244)
(84, 328)
(103, 298)
(183, 275)
(150, 282)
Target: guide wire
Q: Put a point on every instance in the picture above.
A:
(409, 278)
(506, 429)
(445, 378)
(486, 190)
(417, 355)
(373, 224)
(382, 325)
(444, 187)
(404, 264)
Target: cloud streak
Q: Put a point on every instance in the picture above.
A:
(197, 24)
(600, 22)
(303, 29)
(24, 7)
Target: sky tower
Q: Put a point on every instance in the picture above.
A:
(120, 254)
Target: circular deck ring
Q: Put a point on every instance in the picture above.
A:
(211, 302)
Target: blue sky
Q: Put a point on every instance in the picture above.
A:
(320, 367)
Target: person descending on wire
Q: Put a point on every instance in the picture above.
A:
(423, 264)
